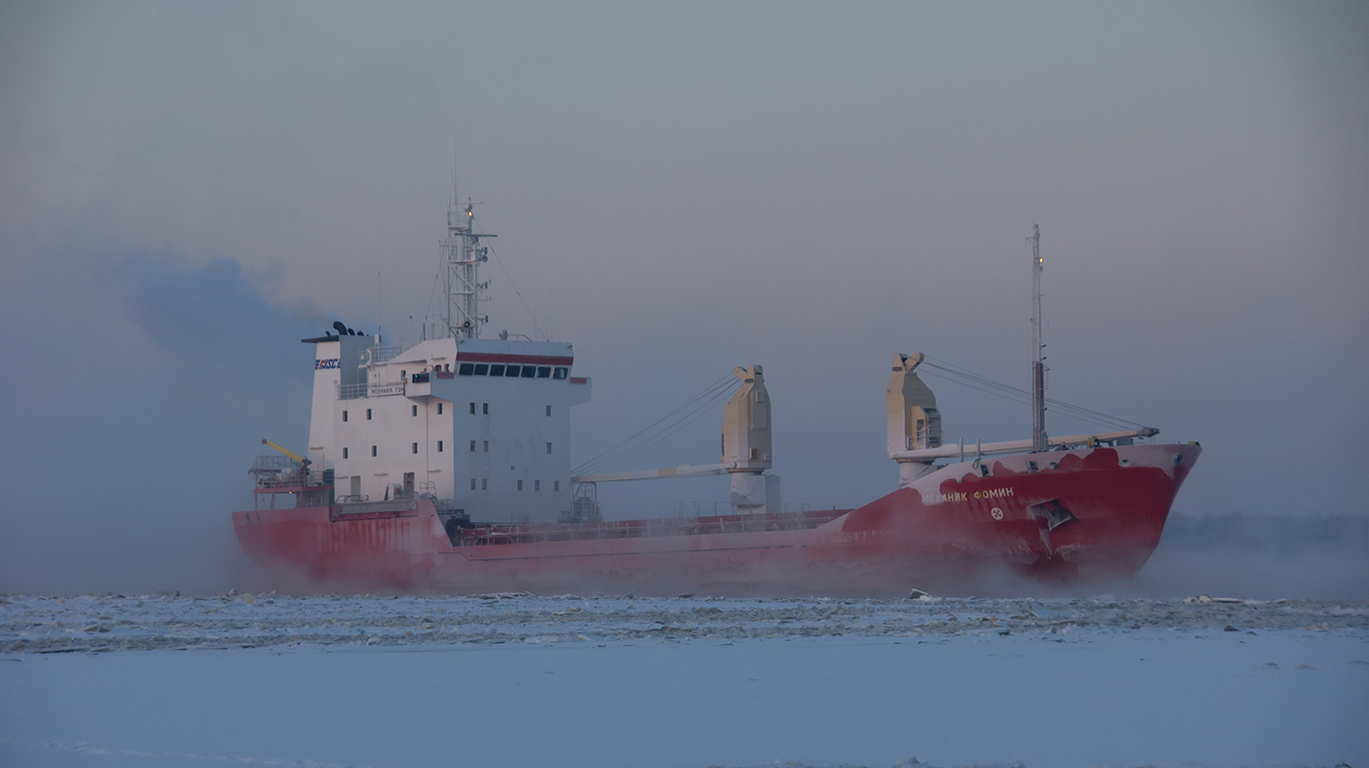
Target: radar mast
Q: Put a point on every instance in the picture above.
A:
(1039, 442)
(463, 253)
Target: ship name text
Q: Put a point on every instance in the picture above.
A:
(960, 496)
(993, 493)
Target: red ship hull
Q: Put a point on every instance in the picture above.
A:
(1090, 514)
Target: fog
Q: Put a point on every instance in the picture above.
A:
(185, 192)
(1262, 557)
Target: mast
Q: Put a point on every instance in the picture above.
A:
(463, 253)
(1039, 442)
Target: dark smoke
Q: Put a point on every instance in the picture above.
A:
(127, 447)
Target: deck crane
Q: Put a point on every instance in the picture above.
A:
(303, 462)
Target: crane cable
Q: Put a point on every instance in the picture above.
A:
(664, 427)
(965, 377)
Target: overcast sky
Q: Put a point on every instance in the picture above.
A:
(188, 189)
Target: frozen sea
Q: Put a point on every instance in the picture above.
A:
(519, 680)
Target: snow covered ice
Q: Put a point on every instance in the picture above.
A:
(616, 681)
(105, 623)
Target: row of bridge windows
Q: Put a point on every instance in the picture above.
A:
(512, 371)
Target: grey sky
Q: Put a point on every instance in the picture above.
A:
(186, 189)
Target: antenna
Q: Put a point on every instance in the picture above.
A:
(464, 254)
(1039, 442)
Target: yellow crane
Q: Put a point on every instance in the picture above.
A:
(286, 451)
(303, 462)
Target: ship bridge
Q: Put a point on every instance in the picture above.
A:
(481, 424)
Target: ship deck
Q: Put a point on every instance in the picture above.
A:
(483, 534)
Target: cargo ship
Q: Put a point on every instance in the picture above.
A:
(444, 466)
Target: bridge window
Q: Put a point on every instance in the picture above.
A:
(560, 373)
(529, 371)
(496, 370)
(465, 369)
(544, 372)
(481, 369)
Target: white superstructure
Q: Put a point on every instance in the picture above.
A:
(482, 425)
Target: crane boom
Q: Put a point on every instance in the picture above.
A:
(303, 461)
